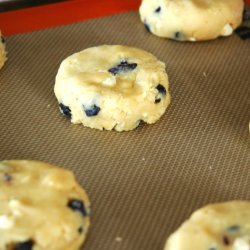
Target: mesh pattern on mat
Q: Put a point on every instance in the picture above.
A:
(142, 183)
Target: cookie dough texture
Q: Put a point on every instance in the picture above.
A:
(41, 207)
(222, 226)
(112, 87)
(3, 57)
(191, 20)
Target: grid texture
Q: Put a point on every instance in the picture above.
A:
(142, 184)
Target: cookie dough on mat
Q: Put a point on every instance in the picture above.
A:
(41, 207)
(191, 20)
(112, 87)
(222, 226)
(2, 51)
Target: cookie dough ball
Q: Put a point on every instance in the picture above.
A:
(112, 87)
(41, 207)
(222, 226)
(191, 20)
(2, 51)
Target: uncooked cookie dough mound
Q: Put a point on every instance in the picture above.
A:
(222, 226)
(41, 207)
(112, 87)
(2, 51)
(191, 20)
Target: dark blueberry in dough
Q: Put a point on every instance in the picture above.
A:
(161, 89)
(77, 205)
(146, 25)
(7, 177)
(139, 122)
(92, 110)
(158, 10)
(80, 230)
(157, 100)
(65, 110)
(226, 241)
(243, 32)
(233, 229)
(124, 66)
(177, 35)
(212, 248)
(161, 93)
(2, 39)
(27, 245)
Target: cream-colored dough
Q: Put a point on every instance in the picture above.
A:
(191, 20)
(222, 226)
(41, 207)
(112, 87)
(3, 57)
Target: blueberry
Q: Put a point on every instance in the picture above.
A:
(92, 110)
(139, 122)
(77, 205)
(161, 89)
(158, 9)
(65, 110)
(124, 66)
(26, 245)
(2, 39)
(7, 177)
(177, 35)
(161, 93)
(226, 240)
(243, 32)
(212, 248)
(233, 229)
(80, 230)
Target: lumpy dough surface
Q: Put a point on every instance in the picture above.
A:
(191, 20)
(112, 87)
(222, 226)
(41, 207)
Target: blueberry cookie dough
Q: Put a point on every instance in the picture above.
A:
(41, 207)
(112, 87)
(2, 51)
(191, 20)
(222, 226)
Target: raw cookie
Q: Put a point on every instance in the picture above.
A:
(41, 207)
(112, 87)
(191, 20)
(2, 51)
(222, 226)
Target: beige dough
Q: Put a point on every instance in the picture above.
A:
(3, 57)
(191, 20)
(112, 87)
(222, 226)
(41, 207)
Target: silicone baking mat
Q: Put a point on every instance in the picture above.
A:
(142, 183)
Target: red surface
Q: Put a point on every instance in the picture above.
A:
(35, 18)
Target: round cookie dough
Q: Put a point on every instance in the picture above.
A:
(2, 51)
(221, 226)
(112, 87)
(191, 20)
(41, 207)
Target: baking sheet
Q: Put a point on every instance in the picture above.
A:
(142, 184)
